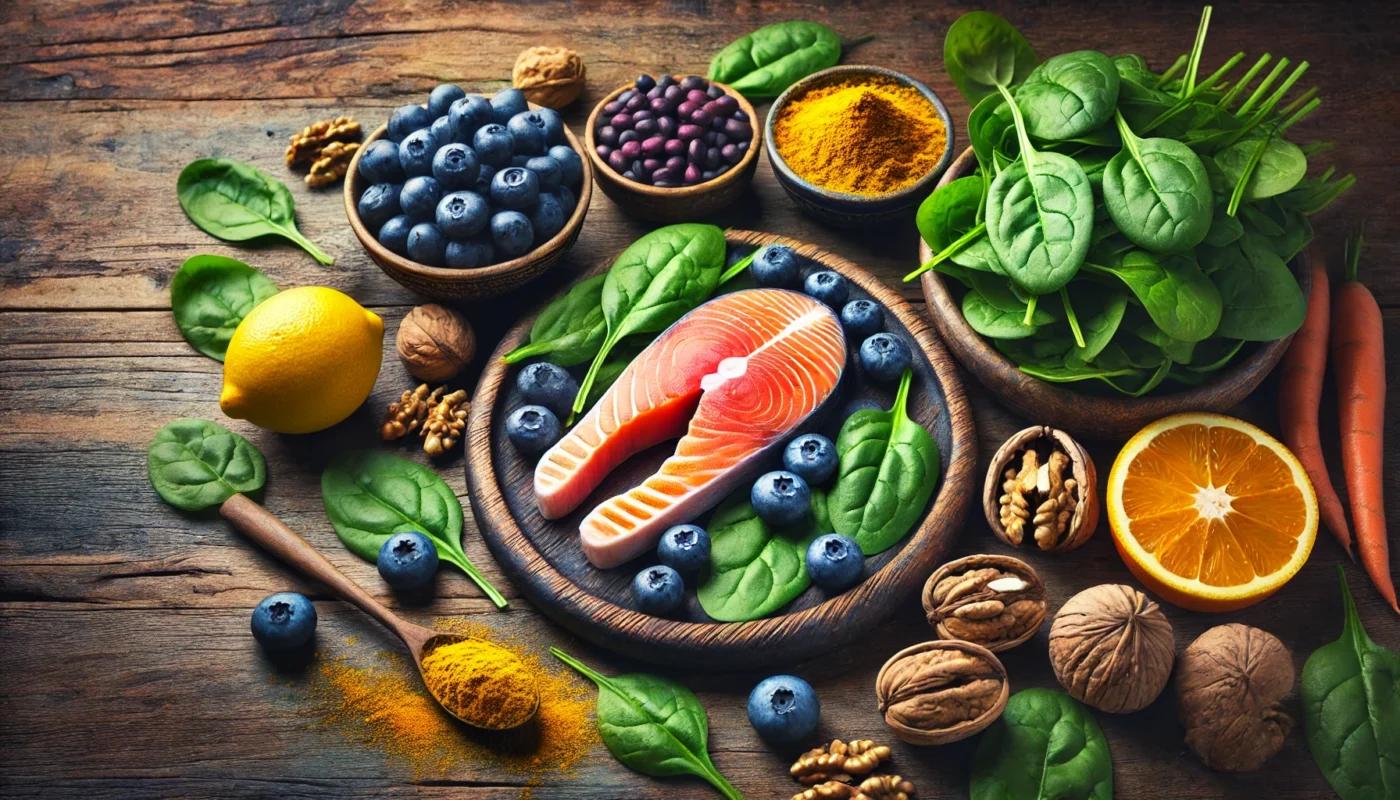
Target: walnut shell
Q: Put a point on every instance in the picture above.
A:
(435, 343)
(1112, 648)
(940, 692)
(977, 599)
(1044, 440)
(1231, 687)
(549, 76)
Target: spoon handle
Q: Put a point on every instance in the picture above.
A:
(259, 524)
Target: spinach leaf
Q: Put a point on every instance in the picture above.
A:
(1069, 95)
(210, 295)
(1351, 710)
(992, 130)
(1040, 215)
(653, 725)
(888, 470)
(1224, 228)
(947, 220)
(370, 496)
(764, 63)
(1173, 349)
(570, 330)
(1065, 373)
(1158, 193)
(237, 202)
(997, 320)
(982, 51)
(1046, 746)
(1105, 309)
(1178, 296)
(1260, 298)
(754, 569)
(1280, 168)
(1213, 354)
(655, 282)
(611, 370)
(194, 464)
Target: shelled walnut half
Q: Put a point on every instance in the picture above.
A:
(940, 692)
(995, 601)
(1043, 485)
(839, 761)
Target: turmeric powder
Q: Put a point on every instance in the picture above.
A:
(480, 683)
(869, 135)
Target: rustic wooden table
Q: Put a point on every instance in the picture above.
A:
(127, 666)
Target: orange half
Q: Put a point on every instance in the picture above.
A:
(1210, 512)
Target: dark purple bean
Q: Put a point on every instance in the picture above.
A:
(640, 172)
(714, 92)
(689, 132)
(666, 126)
(666, 80)
(632, 149)
(731, 154)
(645, 113)
(743, 146)
(721, 170)
(664, 185)
(724, 106)
(692, 175)
(738, 130)
(654, 92)
(695, 153)
(714, 112)
(652, 164)
(712, 158)
(721, 139)
(717, 123)
(741, 115)
(627, 94)
(697, 96)
(694, 82)
(675, 147)
(654, 146)
(618, 161)
(612, 108)
(622, 121)
(608, 135)
(637, 103)
(675, 93)
(684, 110)
(645, 82)
(710, 137)
(708, 175)
(658, 105)
(646, 127)
(701, 117)
(603, 151)
(628, 136)
(676, 164)
(664, 175)
(642, 177)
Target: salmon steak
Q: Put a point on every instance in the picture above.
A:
(733, 379)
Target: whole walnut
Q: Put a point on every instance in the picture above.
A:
(549, 76)
(1112, 648)
(1231, 686)
(435, 343)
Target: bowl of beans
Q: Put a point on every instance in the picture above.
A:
(673, 148)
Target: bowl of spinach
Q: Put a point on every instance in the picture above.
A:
(1118, 244)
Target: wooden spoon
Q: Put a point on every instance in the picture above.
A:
(258, 524)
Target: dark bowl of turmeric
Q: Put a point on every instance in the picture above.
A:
(854, 145)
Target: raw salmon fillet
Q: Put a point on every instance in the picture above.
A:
(733, 378)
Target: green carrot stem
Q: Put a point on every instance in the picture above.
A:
(1353, 258)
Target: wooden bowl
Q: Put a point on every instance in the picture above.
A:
(466, 284)
(1059, 406)
(680, 203)
(840, 208)
(545, 561)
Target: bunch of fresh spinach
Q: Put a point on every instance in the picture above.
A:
(194, 464)
(210, 295)
(653, 725)
(764, 63)
(370, 496)
(237, 202)
(1101, 182)
(1351, 711)
(754, 568)
(1045, 746)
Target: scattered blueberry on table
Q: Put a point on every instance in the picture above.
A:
(811, 457)
(658, 590)
(532, 429)
(784, 709)
(884, 356)
(684, 548)
(781, 498)
(775, 265)
(835, 562)
(407, 560)
(284, 621)
(670, 132)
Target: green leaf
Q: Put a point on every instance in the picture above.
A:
(1158, 193)
(755, 569)
(947, 220)
(1069, 95)
(210, 295)
(764, 63)
(889, 467)
(1351, 711)
(983, 50)
(1103, 313)
(1281, 167)
(1259, 295)
(571, 330)
(194, 464)
(653, 725)
(992, 130)
(999, 319)
(1046, 746)
(237, 202)
(370, 496)
(1178, 296)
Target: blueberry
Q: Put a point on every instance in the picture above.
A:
(471, 253)
(483, 180)
(284, 621)
(684, 548)
(408, 561)
(532, 429)
(529, 137)
(884, 356)
(784, 709)
(416, 153)
(512, 234)
(419, 198)
(861, 404)
(406, 120)
(547, 217)
(493, 145)
(455, 167)
(394, 234)
(461, 215)
(567, 199)
(515, 188)
(811, 457)
(442, 98)
(378, 204)
(380, 163)
(520, 159)
(507, 103)
(835, 562)
(548, 385)
(467, 115)
(774, 265)
(546, 120)
(570, 165)
(427, 245)
(547, 172)
(658, 590)
(828, 287)
(781, 498)
(862, 318)
(441, 129)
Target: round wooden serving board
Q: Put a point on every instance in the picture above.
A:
(545, 560)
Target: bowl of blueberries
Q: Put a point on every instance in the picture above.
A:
(671, 149)
(468, 197)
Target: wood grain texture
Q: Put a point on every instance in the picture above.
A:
(128, 668)
(545, 560)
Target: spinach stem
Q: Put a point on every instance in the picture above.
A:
(1254, 158)
(1030, 310)
(1130, 143)
(739, 266)
(1193, 65)
(1073, 319)
(526, 351)
(948, 252)
(1022, 138)
(1258, 93)
(581, 399)
(1171, 71)
(465, 564)
(1186, 103)
(308, 246)
(1299, 114)
(1229, 98)
(847, 44)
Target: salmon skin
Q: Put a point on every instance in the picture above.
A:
(732, 379)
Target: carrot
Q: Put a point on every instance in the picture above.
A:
(1358, 354)
(1300, 395)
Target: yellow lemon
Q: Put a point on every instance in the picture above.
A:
(302, 361)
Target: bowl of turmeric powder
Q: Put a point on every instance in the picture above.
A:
(853, 145)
